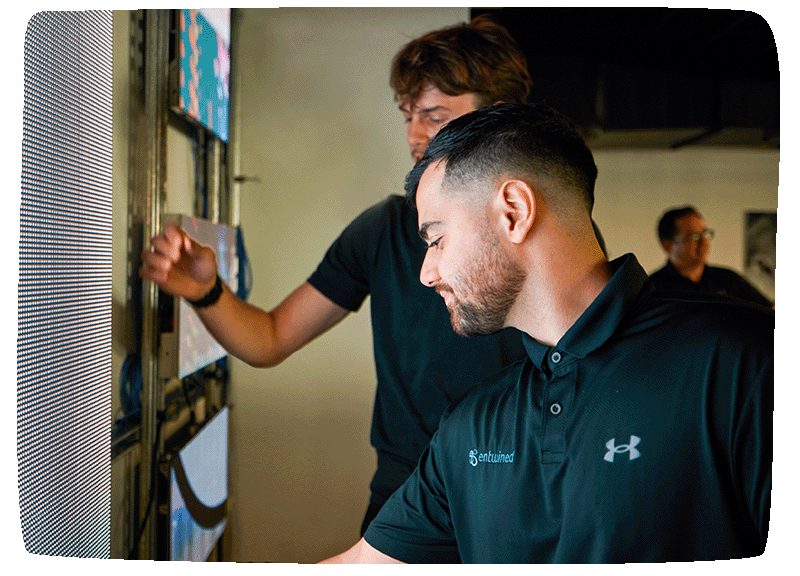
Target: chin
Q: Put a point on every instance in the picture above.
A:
(471, 329)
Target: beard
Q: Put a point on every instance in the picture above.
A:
(489, 285)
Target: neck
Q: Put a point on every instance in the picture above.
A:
(693, 273)
(565, 275)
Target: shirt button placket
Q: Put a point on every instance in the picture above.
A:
(555, 407)
(558, 391)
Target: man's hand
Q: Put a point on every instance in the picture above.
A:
(179, 265)
(182, 267)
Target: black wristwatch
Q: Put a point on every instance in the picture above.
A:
(210, 298)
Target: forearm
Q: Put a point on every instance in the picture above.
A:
(182, 267)
(245, 331)
(265, 339)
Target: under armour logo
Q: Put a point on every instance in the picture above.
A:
(622, 448)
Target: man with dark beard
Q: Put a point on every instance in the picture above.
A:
(638, 427)
(487, 286)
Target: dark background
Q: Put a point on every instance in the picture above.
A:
(663, 77)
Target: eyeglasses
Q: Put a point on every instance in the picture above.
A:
(708, 234)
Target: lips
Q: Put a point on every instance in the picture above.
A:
(446, 294)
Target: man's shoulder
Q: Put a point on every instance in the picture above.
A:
(492, 393)
(393, 212)
(704, 313)
(660, 271)
(392, 204)
(663, 277)
(723, 272)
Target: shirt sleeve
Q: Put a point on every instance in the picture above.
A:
(343, 275)
(415, 526)
(753, 449)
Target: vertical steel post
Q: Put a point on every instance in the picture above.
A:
(213, 179)
(234, 124)
(156, 77)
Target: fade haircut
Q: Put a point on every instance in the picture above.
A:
(480, 57)
(667, 229)
(526, 141)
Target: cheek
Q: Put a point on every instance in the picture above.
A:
(453, 272)
(471, 274)
(433, 130)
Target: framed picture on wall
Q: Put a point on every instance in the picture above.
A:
(760, 235)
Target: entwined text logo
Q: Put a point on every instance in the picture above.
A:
(490, 457)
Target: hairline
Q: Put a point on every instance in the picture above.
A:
(670, 218)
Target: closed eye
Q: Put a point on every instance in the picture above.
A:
(433, 120)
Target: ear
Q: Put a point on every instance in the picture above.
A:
(515, 209)
(667, 245)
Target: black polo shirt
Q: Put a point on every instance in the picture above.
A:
(715, 280)
(645, 434)
(422, 365)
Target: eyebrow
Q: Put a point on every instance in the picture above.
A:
(424, 110)
(423, 230)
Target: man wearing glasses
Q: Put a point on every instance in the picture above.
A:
(686, 240)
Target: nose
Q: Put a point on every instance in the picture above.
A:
(429, 273)
(417, 137)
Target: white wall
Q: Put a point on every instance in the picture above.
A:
(634, 187)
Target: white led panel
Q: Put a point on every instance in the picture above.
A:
(64, 330)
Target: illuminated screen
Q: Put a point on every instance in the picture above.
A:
(64, 288)
(204, 78)
(196, 346)
(199, 492)
(188, 346)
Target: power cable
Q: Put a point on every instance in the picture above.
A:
(133, 554)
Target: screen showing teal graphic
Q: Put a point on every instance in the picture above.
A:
(204, 84)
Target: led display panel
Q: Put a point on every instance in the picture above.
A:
(204, 64)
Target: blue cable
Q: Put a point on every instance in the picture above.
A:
(131, 385)
(245, 272)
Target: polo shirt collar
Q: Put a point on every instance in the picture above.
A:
(675, 274)
(673, 271)
(601, 319)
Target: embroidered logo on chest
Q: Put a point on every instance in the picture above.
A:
(490, 457)
(630, 448)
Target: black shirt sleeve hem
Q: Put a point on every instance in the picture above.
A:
(346, 299)
(409, 553)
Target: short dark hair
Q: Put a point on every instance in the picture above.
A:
(667, 229)
(532, 140)
(480, 57)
